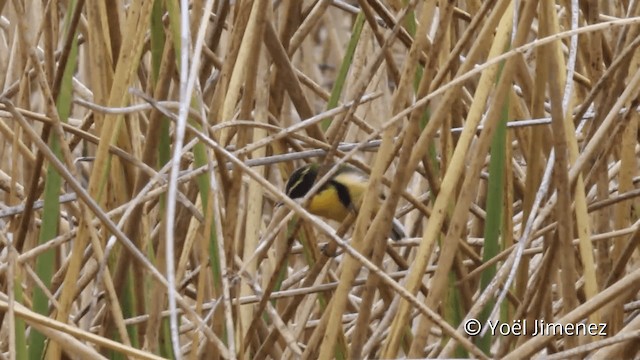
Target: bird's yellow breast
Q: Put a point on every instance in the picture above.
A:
(327, 204)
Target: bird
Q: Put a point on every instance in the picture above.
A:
(337, 197)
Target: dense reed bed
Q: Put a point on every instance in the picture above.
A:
(145, 146)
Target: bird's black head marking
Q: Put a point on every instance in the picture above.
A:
(301, 181)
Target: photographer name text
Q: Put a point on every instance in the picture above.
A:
(536, 328)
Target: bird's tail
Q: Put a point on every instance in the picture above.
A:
(397, 230)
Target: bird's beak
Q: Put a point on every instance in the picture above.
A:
(281, 203)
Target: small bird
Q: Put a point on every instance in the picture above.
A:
(336, 198)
